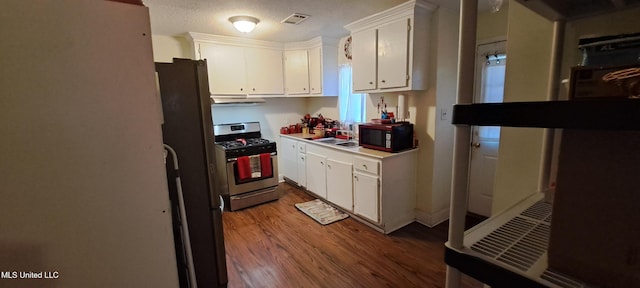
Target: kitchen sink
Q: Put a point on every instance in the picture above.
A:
(336, 141)
(348, 144)
(329, 140)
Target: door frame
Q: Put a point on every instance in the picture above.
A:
(498, 46)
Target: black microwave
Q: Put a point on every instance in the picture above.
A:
(386, 137)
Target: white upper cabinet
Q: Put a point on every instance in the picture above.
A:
(365, 59)
(296, 71)
(390, 48)
(240, 66)
(393, 55)
(311, 67)
(222, 61)
(315, 70)
(264, 71)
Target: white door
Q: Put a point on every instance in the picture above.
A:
(315, 70)
(339, 183)
(316, 174)
(296, 71)
(365, 196)
(364, 48)
(302, 172)
(393, 54)
(288, 163)
(226, 68)
(264, 71)
(485, 141)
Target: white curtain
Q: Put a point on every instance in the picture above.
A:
(351, 105)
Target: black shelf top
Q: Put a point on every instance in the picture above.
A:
(487, 273)
(576, 9)
(600, 114)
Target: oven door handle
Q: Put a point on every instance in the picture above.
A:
(236, 159)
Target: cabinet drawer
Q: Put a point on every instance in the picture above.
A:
(302, 148)
(366, 165)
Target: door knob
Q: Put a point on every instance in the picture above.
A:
(476, 145)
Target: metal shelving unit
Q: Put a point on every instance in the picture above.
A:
(510, 249)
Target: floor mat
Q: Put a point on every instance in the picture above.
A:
(322, 212)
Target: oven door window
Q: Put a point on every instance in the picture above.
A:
(244, 172)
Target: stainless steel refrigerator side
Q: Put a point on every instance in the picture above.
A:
(188, 130)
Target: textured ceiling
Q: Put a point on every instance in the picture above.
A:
(328, 17)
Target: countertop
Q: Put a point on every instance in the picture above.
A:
(355, 149)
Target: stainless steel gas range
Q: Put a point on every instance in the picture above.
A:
(246, 164)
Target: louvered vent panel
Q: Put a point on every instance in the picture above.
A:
(561, 279)
(521, 241)
(538, 211)
(295, 18)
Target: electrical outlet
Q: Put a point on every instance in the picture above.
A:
(443, 114)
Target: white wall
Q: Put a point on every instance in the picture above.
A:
(492, 25)
(275, 113)
(529, 49)
(165, 48)
(447, 72)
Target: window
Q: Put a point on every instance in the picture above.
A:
(493, 73)
(351, 106)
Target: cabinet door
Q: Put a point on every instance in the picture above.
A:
(364, 62)
(340, 184)
(296, 71)
(288, 159)
(264, 71)
(365, 196)
(302, 172)
(316, 174)
(315, 70)
(393, 54)
(226, 68)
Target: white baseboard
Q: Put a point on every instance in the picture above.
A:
(432, 219)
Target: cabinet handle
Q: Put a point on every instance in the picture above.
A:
(329, 166)
(364, 166)
(384, 81)
(370, 83)
(254, 89)
(321, 163)
(241, 89)
(305, 89)
(355, 177)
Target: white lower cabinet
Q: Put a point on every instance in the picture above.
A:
(339, 184)
(293, 161)
(301, 169)
(378, 188)
(366, 196)
(288, 159)
(316, 174)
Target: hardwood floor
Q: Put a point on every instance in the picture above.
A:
(276, 245)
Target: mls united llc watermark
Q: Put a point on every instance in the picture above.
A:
(29, 275)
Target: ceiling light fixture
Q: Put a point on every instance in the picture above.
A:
(244, 24)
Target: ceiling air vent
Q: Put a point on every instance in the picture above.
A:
(295, 18)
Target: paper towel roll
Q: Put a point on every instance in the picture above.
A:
(402, 107)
